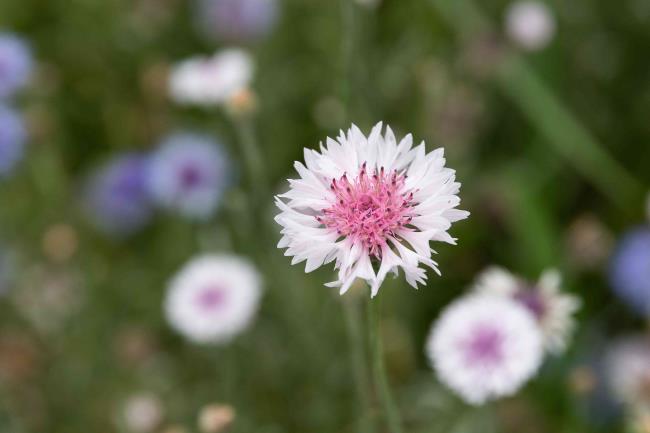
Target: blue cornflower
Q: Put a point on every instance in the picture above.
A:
(116, 197)
(12, 140)
(237, 20)
(15, 64)
(629, 270)
(189, 173)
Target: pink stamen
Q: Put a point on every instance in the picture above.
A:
(371, 208)
(485, 346)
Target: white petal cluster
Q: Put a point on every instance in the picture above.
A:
(556, 317)
(530, 24)
(435, 197)
(239, 287)
(520, 347)
(211, 81)
(627, 366)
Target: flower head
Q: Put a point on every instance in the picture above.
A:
(210, 81)
(116, 197)
(530, 24)
(189, 173)
(371, 205)
(628, 370)
(629, 270)
(552, 309)
(213, 298)
(485, 347)
(237, 20)
(15, 64)
(12, 140)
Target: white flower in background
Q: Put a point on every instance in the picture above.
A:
(530, 24)
(142, 413)
(371, 205)
(485, 347)
(210, 81)
(627, 365)
(551, 308)
(213, 298)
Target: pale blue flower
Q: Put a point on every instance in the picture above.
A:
(629, 271)
(12, 140)
(15, 64)
(189, 173)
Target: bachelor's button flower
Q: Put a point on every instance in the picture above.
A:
(12, 140)
(116, 197)
(551, 308)
(188, 174)
(371, 205)
(213, 298)
(629, 270)
(485, 347)
(237, 20)
(15, 64)
(211, 81)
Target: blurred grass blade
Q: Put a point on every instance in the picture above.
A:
(546, 112)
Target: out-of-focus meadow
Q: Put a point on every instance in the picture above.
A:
(550, 138)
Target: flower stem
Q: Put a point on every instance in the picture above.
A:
(357, 356)
(251, 153)
(389, 407)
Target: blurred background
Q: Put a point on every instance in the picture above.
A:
(542, 108)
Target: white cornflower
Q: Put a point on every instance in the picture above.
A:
(530, 24)
(371, 205)
(485, 347)
(552, 309)
(210, 81)
(213, 298)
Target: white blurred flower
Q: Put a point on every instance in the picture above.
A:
(142, 413)
(530, 24)
(210, 81)
(371, 205)
(485, 347)
(213, 298)
(552, 309)
(627, 366)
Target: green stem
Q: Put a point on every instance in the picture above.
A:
(357, 356)
(389, 407)
(251, 153)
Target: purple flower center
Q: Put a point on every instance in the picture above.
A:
(532, 300)
(190, 176)
(485, 346)
(211, 298)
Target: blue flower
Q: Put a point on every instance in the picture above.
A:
(237, 20)
(116, 197)
(189, 173)
(12, 140)
(629, 271)
(15, 64)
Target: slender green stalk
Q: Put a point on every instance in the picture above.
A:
(546, 111)
(391, 412)
(358, 360)
(255, 168)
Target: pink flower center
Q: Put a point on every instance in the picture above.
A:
(211, 298)
(369, 209)
(484, 347)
